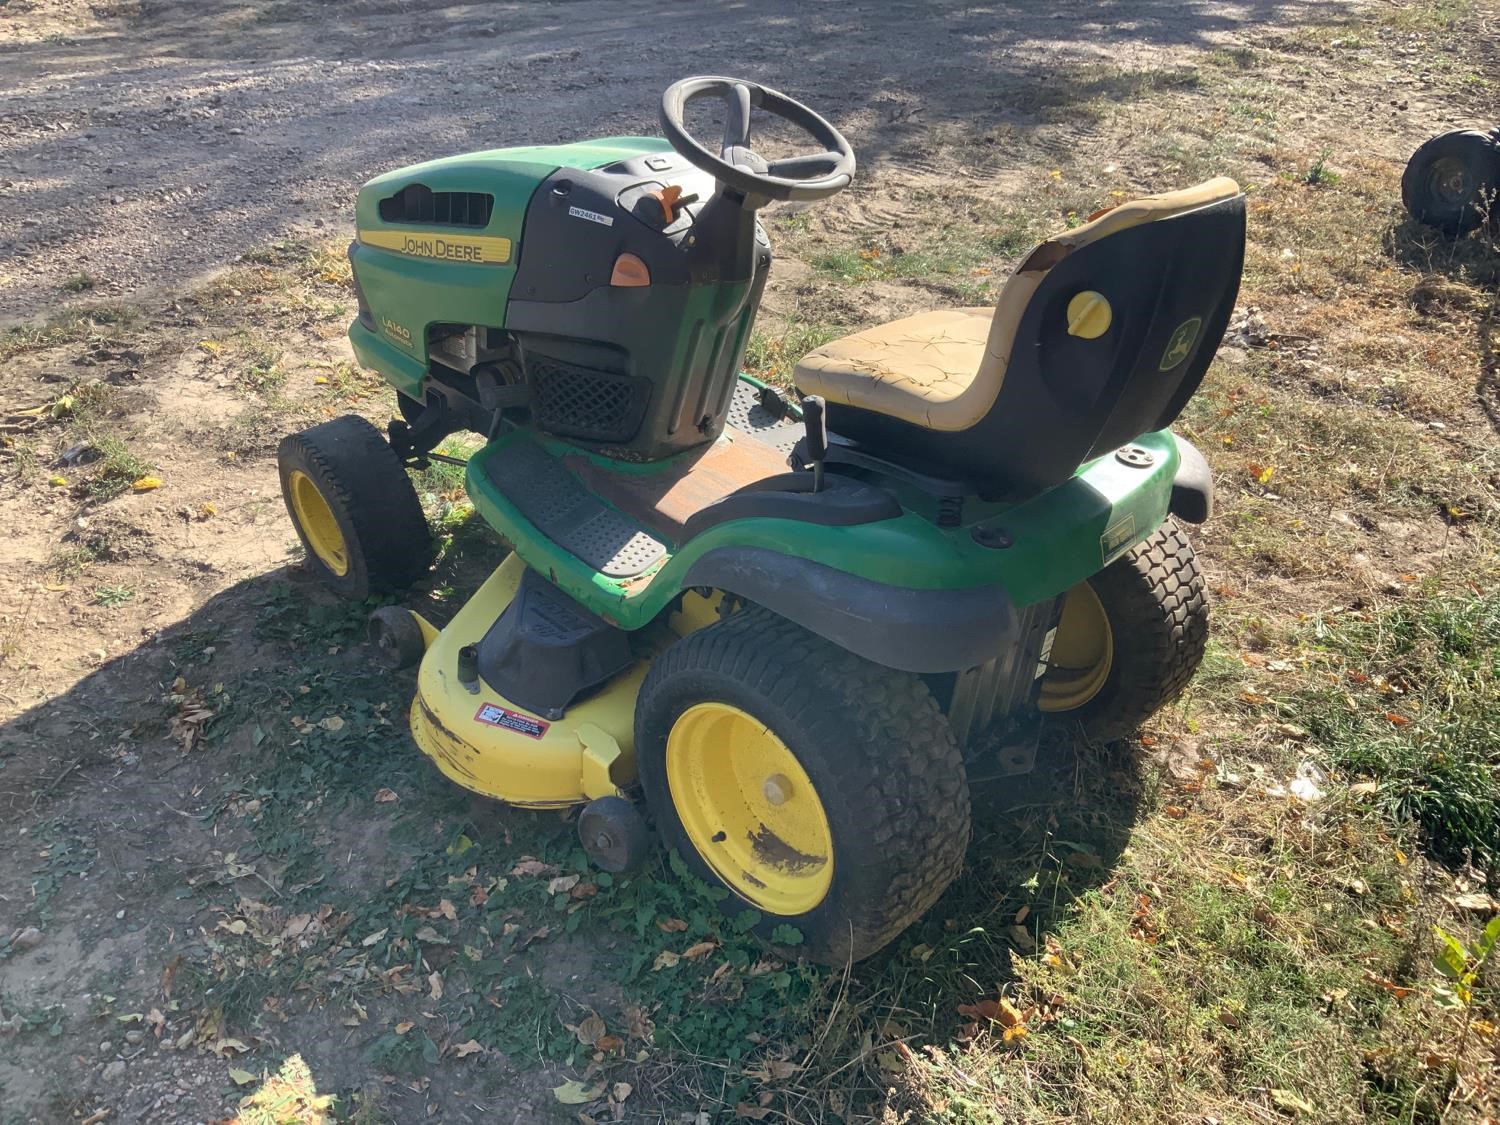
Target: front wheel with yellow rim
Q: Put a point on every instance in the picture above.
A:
(821, 790)
(354, 508)
(1129, 639)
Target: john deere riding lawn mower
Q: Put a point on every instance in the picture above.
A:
(799, 625)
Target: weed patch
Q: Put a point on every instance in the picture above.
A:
(1411, 699)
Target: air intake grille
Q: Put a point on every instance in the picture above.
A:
(583, 403)
(416, 203)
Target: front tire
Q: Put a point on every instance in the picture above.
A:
(824, 791)
(1130, 639)
(354, 508)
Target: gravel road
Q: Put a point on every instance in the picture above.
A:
(145, 144)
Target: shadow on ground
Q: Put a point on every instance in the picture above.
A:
(230, 122)
(229, 828)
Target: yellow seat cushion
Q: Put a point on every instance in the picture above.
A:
(906, 368)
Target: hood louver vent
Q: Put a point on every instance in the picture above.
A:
(416, 203)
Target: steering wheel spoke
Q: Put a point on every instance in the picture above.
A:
(736, 119)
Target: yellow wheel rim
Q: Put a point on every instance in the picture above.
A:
(750, 809)
(315, 518)
(1082, 652)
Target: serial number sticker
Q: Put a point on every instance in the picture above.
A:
(511, 720)
(591, 216)
(1116, 539)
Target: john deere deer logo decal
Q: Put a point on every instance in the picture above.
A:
(1181, 343)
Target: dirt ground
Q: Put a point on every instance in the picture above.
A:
(153, 641)
(149, 143)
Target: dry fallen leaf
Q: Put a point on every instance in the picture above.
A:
(240, 1077)
(671, 926)
(385, 796)
(703, 947)
(435, 986)
(1292, 1103)
(464, 1050)
(1262, 473)
(561, 884)
(666, 959)
(576, 1093)
(590, 1030)
(404, 1026)
(145, 484)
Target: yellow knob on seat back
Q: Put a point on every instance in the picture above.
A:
(1089, 315)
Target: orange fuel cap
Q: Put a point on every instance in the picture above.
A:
(629, 270)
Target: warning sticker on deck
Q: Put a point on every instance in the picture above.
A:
(511, 720)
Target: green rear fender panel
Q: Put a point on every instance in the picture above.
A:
(408, 291)
(1056, 540)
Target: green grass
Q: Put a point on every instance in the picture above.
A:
(112, 597)
(71, 325)
(1319, 174)
(773, 353)
(966, 251)
(1412, 701)
(1188, 945)
(20, 1018)
(117, 468)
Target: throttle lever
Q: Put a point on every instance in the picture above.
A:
(816, 423)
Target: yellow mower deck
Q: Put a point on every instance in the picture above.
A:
(484, 742)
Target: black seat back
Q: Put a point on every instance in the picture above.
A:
(1170, 284)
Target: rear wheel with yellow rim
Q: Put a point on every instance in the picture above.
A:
(354, 507)
(1129, 639)
(823, 791)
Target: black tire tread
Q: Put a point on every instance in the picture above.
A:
(899, 768)
(1158, 610)
(364, 481)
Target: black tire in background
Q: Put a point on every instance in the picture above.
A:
(1451, 180)
(345, 471)
(878, 751)
(1154, 601)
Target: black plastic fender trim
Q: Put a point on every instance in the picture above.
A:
(907, 629)
(1193, 486)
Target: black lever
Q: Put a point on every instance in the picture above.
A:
(817, 436)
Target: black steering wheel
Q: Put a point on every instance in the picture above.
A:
(816, 176)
